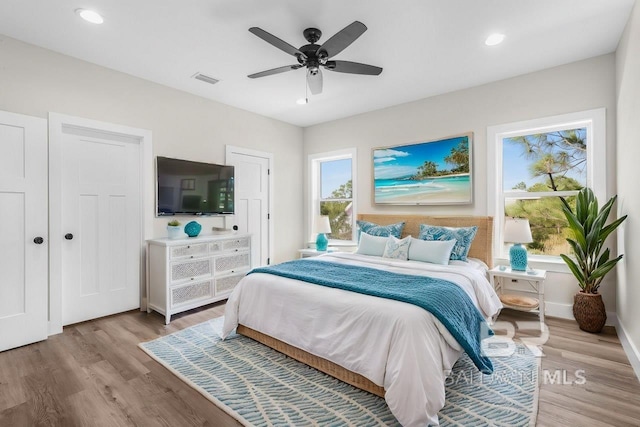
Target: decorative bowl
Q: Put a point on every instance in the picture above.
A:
(192, 229)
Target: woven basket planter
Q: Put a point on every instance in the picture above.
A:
(589, 311)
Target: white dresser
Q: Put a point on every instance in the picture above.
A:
(188, 273)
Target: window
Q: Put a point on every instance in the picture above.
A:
(534, 163)
(332, 179)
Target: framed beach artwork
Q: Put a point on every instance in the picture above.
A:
(424, 173)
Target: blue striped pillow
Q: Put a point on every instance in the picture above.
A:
(462, 235)
(394, 230)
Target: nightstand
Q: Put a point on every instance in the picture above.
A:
(534, 283)
(306, 253)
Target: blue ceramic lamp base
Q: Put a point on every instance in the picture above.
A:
(518, 257)
(322, 242)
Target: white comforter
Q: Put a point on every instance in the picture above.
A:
(396, 345)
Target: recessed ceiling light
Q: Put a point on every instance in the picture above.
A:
(494, 39)
(302, 101)
(90, 16)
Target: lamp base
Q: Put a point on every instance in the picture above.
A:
(518, 257)
(321, 242)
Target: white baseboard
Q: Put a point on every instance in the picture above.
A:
(556, 309)
(565, 311)
(629, 347)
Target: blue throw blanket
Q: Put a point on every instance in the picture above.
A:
(445, 300)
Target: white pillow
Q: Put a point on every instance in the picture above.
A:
(433, 251)
(397, 248)
(371, 245)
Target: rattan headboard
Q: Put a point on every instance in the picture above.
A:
(481, 248)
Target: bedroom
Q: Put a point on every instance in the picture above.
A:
(35, 81)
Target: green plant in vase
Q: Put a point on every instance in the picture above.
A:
(591, 261)
(174, 229)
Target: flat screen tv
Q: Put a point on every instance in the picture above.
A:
(193, 188)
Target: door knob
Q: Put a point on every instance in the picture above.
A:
(38, 240)
(68, 236)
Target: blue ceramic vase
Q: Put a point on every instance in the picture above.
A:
(192, 229)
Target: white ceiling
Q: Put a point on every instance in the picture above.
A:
(426, 47)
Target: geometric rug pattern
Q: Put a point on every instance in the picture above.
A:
(259, 386)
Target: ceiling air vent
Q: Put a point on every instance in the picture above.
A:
(205, 78)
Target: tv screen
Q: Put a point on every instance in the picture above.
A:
(193, 188)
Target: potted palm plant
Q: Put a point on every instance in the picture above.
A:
(591, 261)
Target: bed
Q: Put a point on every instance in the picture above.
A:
(390, 348)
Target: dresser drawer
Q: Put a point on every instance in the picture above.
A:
(224, 285)
(229, 245)
(186, 251)
(191, 292)
(236, 244)
(231, 262)
(190, 269)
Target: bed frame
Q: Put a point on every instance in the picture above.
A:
(481, 248)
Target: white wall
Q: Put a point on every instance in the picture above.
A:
(569, 88)
(37, 81)
(628, 90)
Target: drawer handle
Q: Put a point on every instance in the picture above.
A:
(192, 278)
(236, 250)
(191, 256)
(188, 247)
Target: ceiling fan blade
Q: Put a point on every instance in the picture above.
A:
(314, 80)
(343, 38)
(274, 71)
(280, 44)
(352, 68)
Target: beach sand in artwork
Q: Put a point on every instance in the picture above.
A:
(448, 196)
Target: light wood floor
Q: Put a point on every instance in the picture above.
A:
(94, 374)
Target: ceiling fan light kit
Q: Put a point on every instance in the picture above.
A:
(315, 57)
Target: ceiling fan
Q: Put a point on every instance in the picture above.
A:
(314, 56)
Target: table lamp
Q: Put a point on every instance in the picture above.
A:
(322, 227)
(517, 231)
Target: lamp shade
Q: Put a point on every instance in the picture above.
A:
(517, 230)
(322, 225)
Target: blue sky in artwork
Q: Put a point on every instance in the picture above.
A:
(333, 174)
(403, 161)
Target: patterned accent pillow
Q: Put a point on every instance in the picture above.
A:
(397, 248)
(463, 236)
(381, 230)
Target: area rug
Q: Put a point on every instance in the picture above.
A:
(259, 386)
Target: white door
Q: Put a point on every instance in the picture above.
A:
(23, 230)
(252, 186)
(100, 224)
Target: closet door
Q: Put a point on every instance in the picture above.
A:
(23, 230)
(101, 223)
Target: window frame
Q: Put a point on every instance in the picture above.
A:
(315, 161)
(595, 122)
